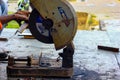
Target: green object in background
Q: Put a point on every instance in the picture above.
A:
(12, 24)
(23, 5)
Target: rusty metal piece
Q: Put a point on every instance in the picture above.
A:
(11, 61)
(3, 55)
(18, 71)
(29, 61)
(28, 37)
(14, 59)
(107, 48)
(3, 39)
(40, 58)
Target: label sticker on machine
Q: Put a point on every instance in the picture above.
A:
(64, 16)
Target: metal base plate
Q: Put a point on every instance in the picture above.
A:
(35, 70)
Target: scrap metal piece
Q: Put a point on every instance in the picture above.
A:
(3, 55)
(3, 39)
(107, 48)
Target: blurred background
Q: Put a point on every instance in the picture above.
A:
(91, 14)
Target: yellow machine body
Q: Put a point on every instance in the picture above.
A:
(64, 20)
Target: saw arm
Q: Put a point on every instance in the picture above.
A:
(53, 21)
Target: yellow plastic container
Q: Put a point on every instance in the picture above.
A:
(82, 18)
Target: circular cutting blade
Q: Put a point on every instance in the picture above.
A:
(37, 28)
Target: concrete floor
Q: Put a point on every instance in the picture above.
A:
(89, 62)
